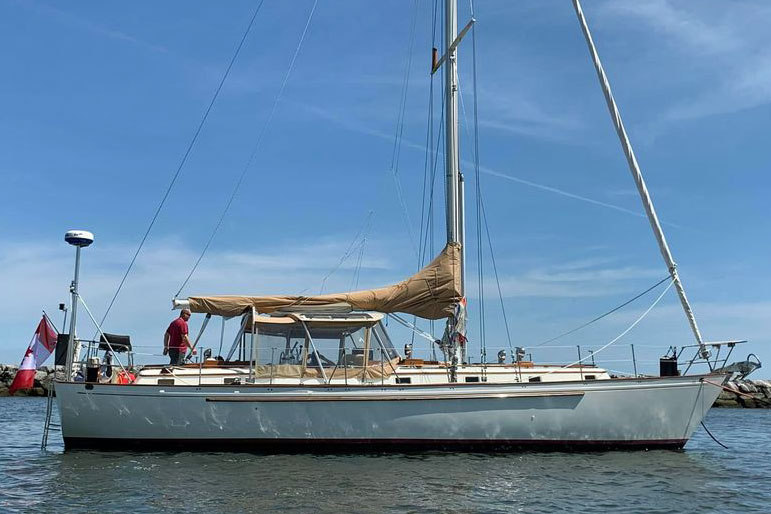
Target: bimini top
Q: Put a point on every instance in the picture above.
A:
(279, 320)
(432, 293)
(288, 318)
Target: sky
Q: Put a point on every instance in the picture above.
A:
(101, 100)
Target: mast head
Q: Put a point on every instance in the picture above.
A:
(79, 238)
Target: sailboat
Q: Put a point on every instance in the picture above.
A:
(320, 373)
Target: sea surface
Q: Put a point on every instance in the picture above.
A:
(702, 478)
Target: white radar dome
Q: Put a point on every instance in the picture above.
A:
(80, 238)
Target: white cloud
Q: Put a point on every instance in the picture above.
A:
(73, 20)
(517, 112)
(360, 127)
(585, 278)
(36, 275)
(685, 27)
(721, 52)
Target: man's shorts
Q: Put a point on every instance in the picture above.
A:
(177, 356)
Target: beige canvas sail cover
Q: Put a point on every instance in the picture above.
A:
(373, 371)
(431, 293)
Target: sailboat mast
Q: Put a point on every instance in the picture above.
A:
(452, 173)
(645, 196)
(454, 190)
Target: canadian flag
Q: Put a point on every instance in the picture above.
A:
(42, 345)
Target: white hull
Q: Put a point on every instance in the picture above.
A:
(642, 413)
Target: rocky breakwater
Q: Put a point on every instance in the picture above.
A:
(745, 393)
(43, 378)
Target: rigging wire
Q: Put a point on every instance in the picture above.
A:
(622, 334)
(428, 242)
(429, 170)
(357, 269)
(184, 159)
(396, 152)
(480, 254)
(260, 136)
(362, 232)
(428, 163)
(481, 208)
(430, 215)
(480, 248)
(443, 154)
(426, 167)
(412, 327)
(654, 286)
(431, 222)
(497, 279)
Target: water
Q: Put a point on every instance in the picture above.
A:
(702, 478)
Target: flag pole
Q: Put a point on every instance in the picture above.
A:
(46, 316)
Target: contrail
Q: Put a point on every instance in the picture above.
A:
(568, 194)
(418, 146)
(561, 192)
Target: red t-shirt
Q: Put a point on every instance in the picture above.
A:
(176, 330)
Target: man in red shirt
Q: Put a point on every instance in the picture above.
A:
(175, 341)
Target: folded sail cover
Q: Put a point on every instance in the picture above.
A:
(431, 293)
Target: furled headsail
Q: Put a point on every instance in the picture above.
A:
(432, 293)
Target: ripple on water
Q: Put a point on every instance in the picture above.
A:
(702, 478)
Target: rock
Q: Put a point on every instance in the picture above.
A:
(35, 391)
(726, 395)
(7, 373)
(727, 402)
(43, 378)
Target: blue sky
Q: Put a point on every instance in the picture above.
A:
(101, 99)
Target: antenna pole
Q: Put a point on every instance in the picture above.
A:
(645, 196)
(79, 239)
(73, 317)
